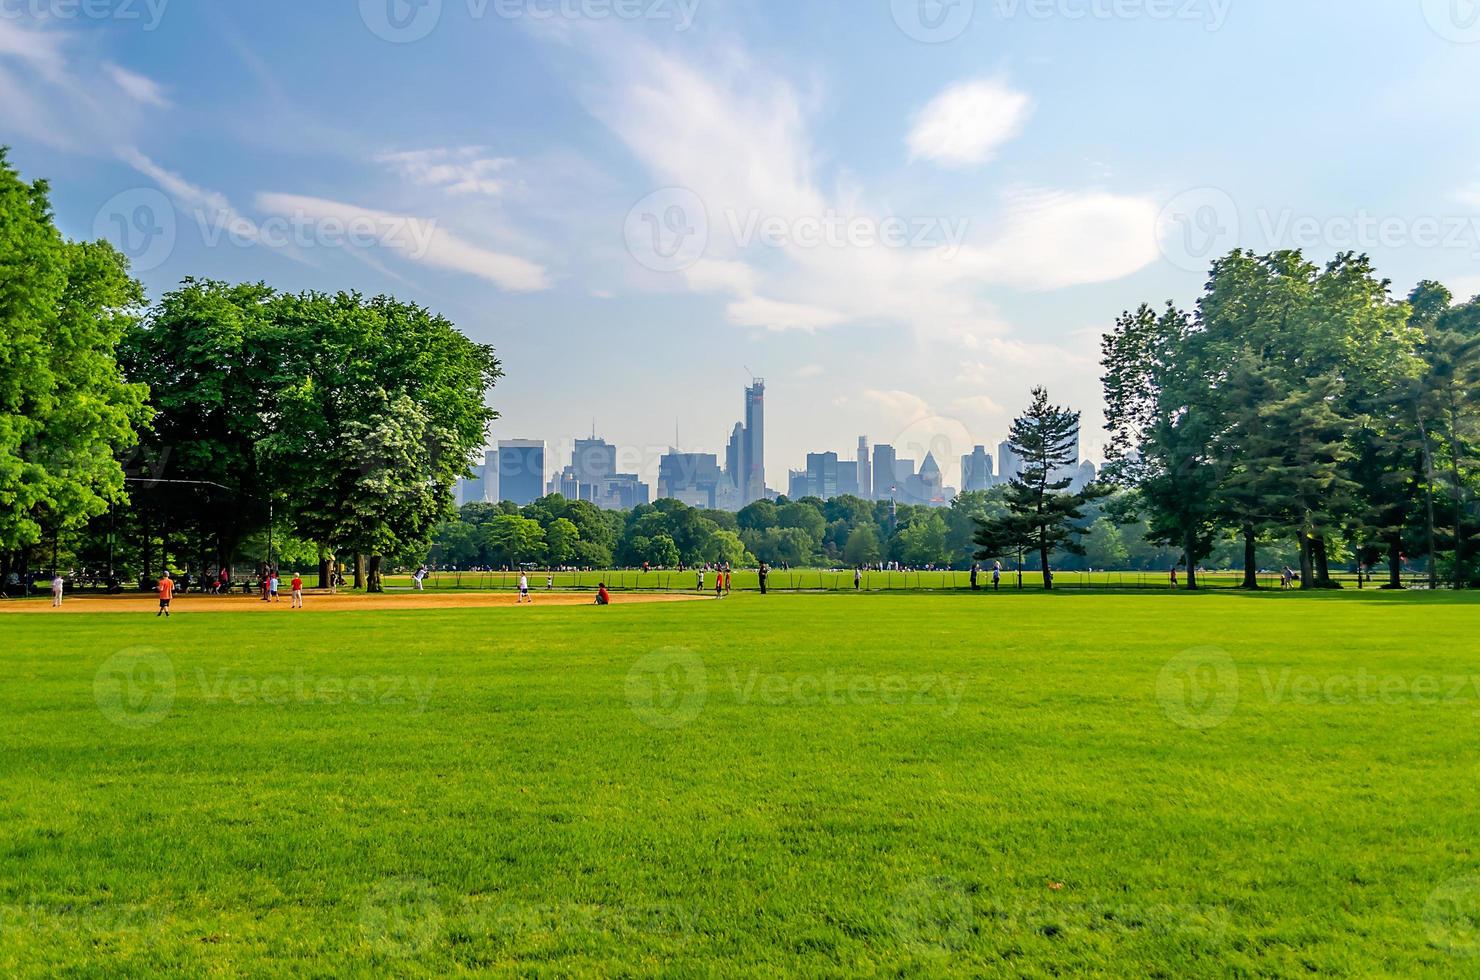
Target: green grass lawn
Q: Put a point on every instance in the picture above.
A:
(1016, 785)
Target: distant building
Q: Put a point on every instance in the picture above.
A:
(735, 459)
(865, 471)
(1085, 476)
(521, 470)
(885, 484)
(625, 491)
(1008, 463)
(798, 484)
(848, 479)
(976, 470)
(931, 483)
(754, 458)
(692, 478)
(822, 474)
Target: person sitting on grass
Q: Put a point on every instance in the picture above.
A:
(603, 597)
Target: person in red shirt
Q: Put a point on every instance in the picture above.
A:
(166, 593)
(297, 585)
(603, 597)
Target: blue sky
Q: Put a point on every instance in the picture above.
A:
(902, 218)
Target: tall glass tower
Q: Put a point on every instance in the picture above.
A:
(755, 442)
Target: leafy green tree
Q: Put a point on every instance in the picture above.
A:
(863, 546)
(512, 541)
(726, 548)
(1104, 546)
(561, 538)
(66, 411)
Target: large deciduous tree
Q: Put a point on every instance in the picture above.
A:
(66, 411)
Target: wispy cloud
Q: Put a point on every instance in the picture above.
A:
(456, 170)
(416, 239)
(137, 87)
(967, 123)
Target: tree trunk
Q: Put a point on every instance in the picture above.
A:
(1323, 568)
(1428, 476)
(323, 567)
(372, 580)
(1251, 571)
(1395, 563)
(359, 572)
(1189, 549)
(1305, 563)
(1047, 572)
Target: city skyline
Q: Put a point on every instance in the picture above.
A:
(931, 474)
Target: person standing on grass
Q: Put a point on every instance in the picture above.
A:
(727, 580)
(763, 574)
(996, 576)
(550, 582)
(297, 585)
(975, 572)
(857, 578)
(719, 585)
(57, 584)
(166, 593)
(1174, 576)
(272, 585)
(524, 595)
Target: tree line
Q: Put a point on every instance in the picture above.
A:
(1294, 405)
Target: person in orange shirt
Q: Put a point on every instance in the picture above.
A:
(166, 593)
(603, 597)
(297, 585)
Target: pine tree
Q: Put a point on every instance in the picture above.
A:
(1043, 516)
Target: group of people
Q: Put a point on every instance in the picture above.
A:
(721, 581)
(976, 571)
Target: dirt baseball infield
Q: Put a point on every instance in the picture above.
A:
(325, 602)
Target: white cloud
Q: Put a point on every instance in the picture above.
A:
(901, 406)
(1053, 239)
(457, 170)
(417, 239)
(967, 123)
(209, 208)
(138, 88)
(66, 103)
(807, 371)
(979, 404)
(718, 275)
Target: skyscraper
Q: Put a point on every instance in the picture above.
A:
(883, 467)
(755, 441)
(521, 470)
(594, 462)
(822, 474)
(1008, 464)
(692, 478)
(976, 470)
(865, 472)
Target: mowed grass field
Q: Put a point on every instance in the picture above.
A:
(1014, 785)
